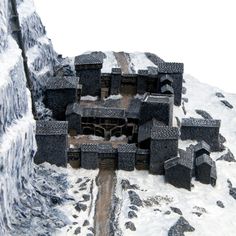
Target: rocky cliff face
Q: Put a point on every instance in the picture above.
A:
(21, 199)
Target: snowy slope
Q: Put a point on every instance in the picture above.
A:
(158, 217)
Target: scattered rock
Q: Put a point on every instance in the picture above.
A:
(75, 216)
(79, 206)
(176, 210)
(82, 189)
(232, 192)
(79, 180)
(75, 223)
(157, 209)
(222, 138)
(76, 192)
(86, 223)
(91, 229)
(132, 214)
(219, 95)
(220, 204)
(130, 225)
(86, 197)
(167, 213)
(134, 208)
(56, 200)
(178, 121)
(197, 213)
(134, 198)
(226, 103)
(125, 184)
(180, 227)
(205, 115)
(77, 231)
(183, 108)
(83, 185)
(184, 90)
(185, 100)
(229, 156)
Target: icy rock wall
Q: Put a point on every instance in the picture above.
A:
(41, 56)
(17, 126)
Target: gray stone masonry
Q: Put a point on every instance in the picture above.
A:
(202, 130)
(126, 157)
(178, 170)
(164, 146)
(61, 91)
(51, 137)
(115, 81)
(89, 156)
(73, 116)
(157, 106)
(88, 68)
(204, 165)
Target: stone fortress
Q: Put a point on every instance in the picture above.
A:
(133, 115)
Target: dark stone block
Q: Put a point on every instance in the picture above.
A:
(167, 89)
(164, 146)
(203, 169)
(91, 81)
(178, 170)
(60, 92)
(115, 81)
(51, 137)
(126, 157)
(73, 116)
(89, 156)
(142, 81)
(158, 107)
(202, 130)
(202, 148)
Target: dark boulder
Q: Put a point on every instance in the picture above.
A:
(227, 104)
(176, 210)
(220, 204)
(135, 199)
(80, 207)
(229, 156)
(204, 114)
(86, 223)
(180, 227)
(132, 214)
(77, 231)
(130, 225)
(125, 184)
(134, 208)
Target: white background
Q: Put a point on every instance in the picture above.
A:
(200, 33)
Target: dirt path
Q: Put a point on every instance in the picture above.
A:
(122, 62)
(105, 182)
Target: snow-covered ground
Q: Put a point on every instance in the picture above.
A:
(81, 211)
(199, 206)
